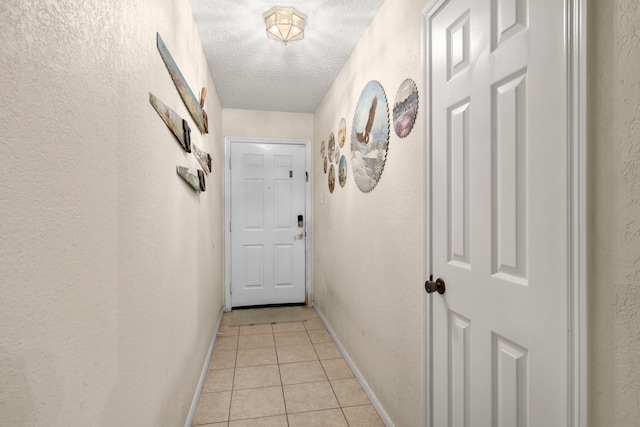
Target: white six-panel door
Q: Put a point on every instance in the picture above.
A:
(267, 242)
(498, 229)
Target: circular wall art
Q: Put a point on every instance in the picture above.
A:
(369, 136)
(342, 132)
(326, 163)
(405, 108)
(323, 149)
(332, 178)
(332, 147)
(342, 171)
(337, 156)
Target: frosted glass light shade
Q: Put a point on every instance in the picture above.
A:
(285, 24)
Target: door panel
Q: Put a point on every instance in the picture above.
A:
(510, 373)
(498, 229)
(268, 185)
(254, 204)
(459, 369)
(458, 181)
(508, 187)
(254, 266)
(284, 265)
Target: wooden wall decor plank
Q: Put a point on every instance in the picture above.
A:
(195, 177)
(179, 126)
(190, 101)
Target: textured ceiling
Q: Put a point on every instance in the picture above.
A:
(254, 73)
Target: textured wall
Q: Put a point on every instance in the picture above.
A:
(110, 265)
(267, 124)
(368, 260)
(614, 213)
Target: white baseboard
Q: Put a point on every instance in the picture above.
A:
(372, 397)
(203, 375)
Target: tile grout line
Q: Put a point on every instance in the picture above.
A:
(275, 349)
(333, 390)
(284, 401)
(233, 380)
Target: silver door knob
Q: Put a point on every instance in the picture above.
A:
(298, 236)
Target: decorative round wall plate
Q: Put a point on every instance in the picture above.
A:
(342, 132)
(405, 108)
(332, 147)
(332, 178)
(342, 171)
(323, 149)
(369, 136)
(326, 163)
(337, 156)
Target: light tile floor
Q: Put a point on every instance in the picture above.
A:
(280, 375)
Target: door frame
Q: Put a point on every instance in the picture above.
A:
(227, 209)
(575, 47)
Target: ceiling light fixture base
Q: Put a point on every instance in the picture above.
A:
(284, 24)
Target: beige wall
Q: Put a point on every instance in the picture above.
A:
(110, 265)
(368, 260)
(267, 124)
(614, 213)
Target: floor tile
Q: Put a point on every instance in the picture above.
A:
(313, 324)
(212, 408)
(319, 336)
(228, 330)
(218, 380)
(226, 342)
(256, 403)
(255, 329)
(223, 359)
(288, 327)
(302, 372)
(349, 392)
(256, 377)
(292, 338)
(309, 397)
(327, 418)
(327, 350)
(279, 421)
(337, 369)
(296, 353)
(255, 341)
(256, 357)
(362, 416)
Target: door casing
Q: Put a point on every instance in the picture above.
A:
(575, 53)
(227, 209)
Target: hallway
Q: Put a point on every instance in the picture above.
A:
(279, 375)
(114, 268)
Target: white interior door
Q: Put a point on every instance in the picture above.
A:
(498, 231)
(267, 239)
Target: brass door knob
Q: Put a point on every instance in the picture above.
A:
(437, 286)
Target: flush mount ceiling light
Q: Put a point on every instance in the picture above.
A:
(285, 24)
